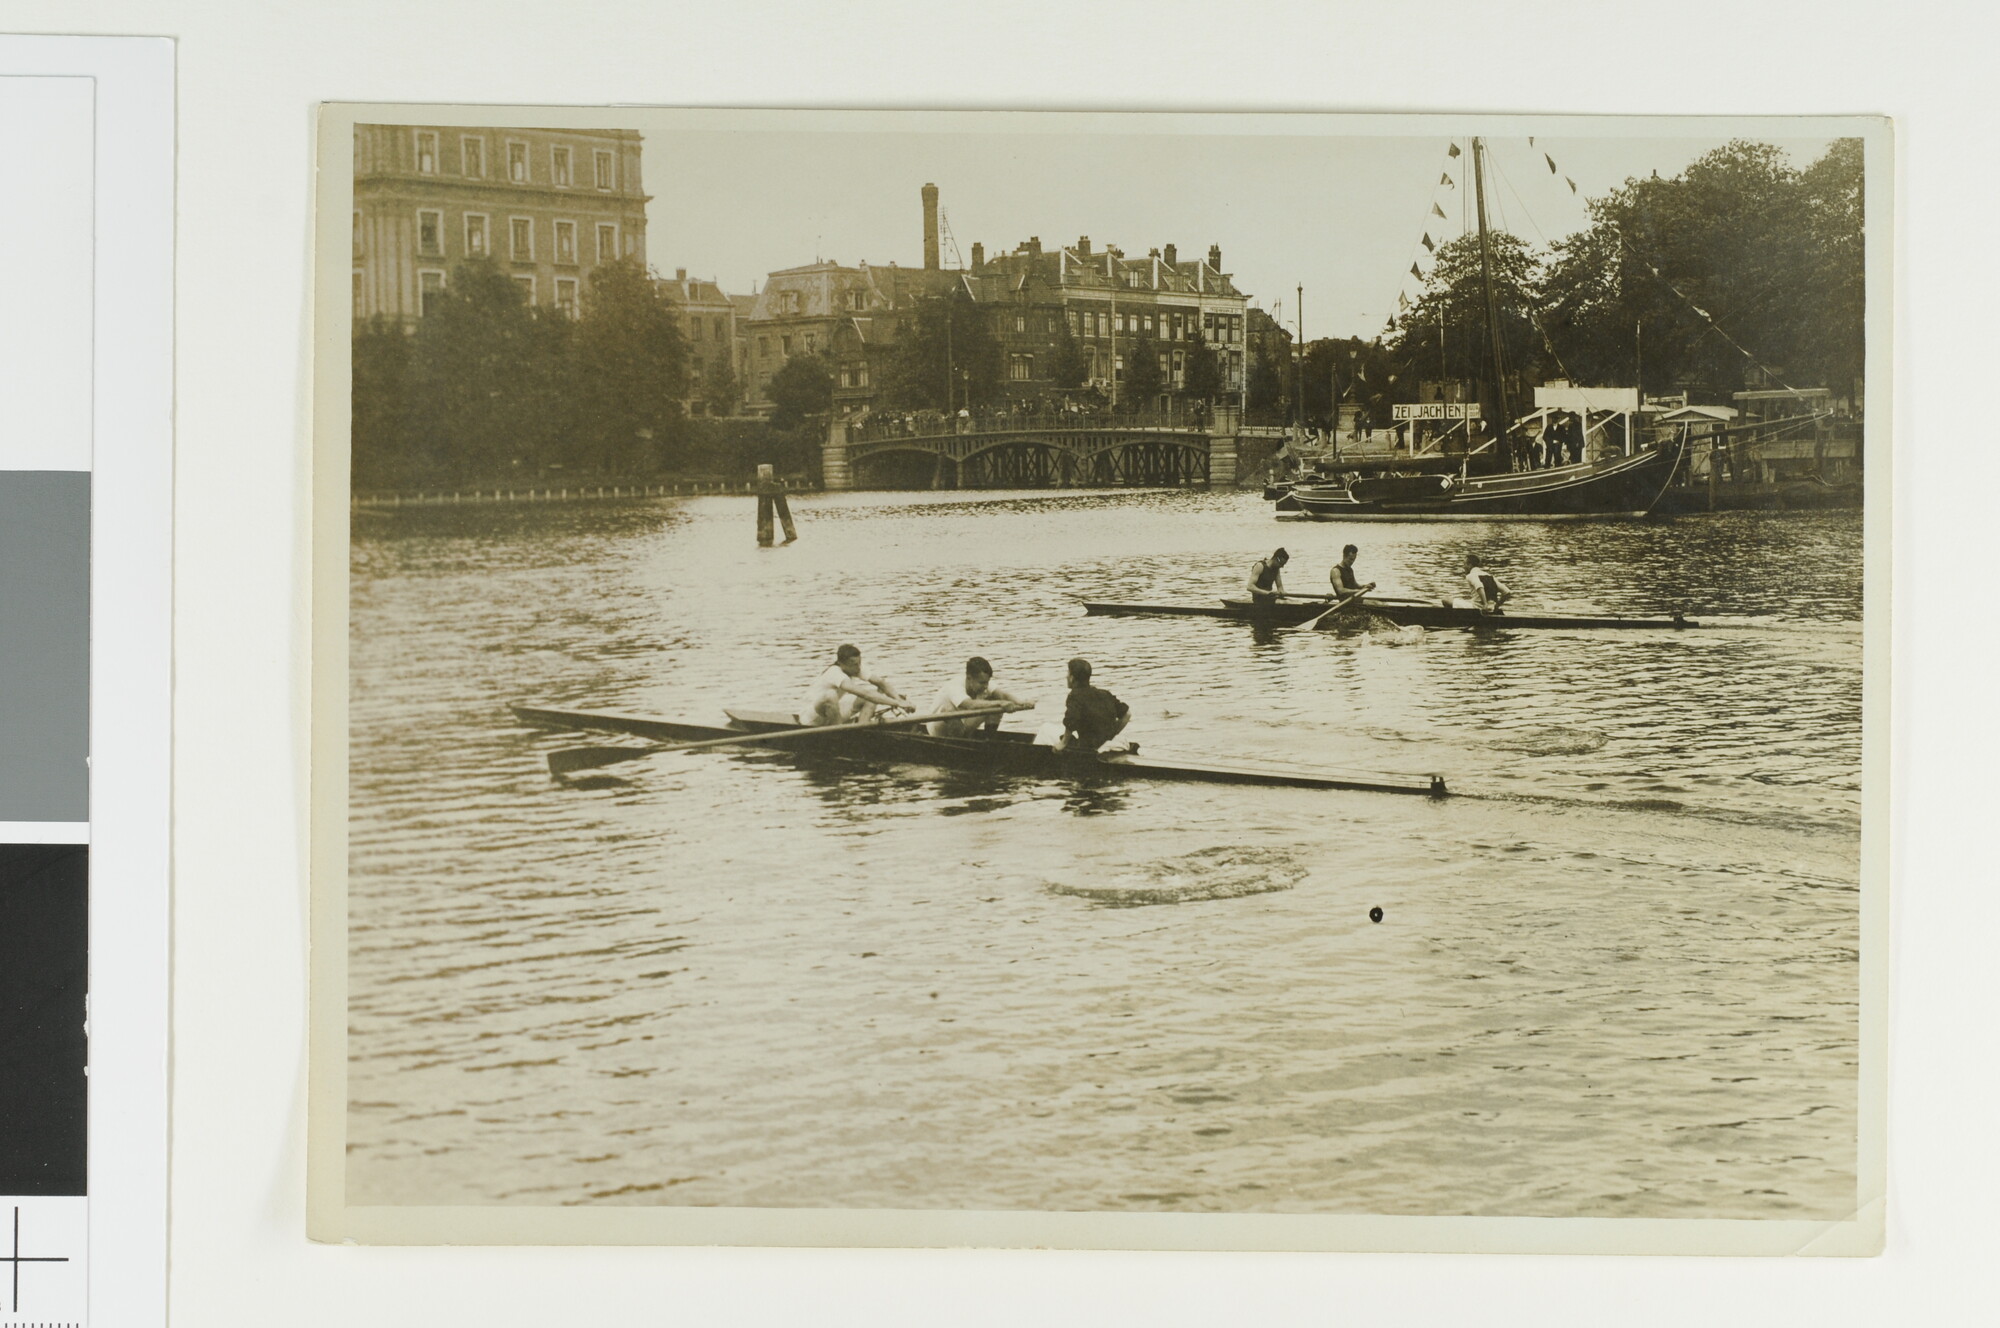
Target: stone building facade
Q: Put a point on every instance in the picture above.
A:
(707, 316)
(549, 205)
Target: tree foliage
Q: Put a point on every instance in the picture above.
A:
(800, 390)
(948, 356)
(1203, 379)
(1067, 367)
(1143, 381)
(631, 369)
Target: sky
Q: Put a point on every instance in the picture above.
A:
(1340, 213)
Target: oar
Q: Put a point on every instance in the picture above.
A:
(569, 760)
(1317, 620)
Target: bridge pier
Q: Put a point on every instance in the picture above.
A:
(835, 474)
(1225, 418)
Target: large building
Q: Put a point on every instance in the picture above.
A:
(707, 317)
(549, 205)
(1107, 301)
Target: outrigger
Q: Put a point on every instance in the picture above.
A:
(1000, 752)
(1400, 611)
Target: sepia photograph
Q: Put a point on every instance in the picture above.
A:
(997, 677)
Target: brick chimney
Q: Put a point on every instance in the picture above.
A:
(1215, 257)
(680, 274)
(930, 228)
(1035, 246)
(978, 256)
(1083, 246)
(1171, 254)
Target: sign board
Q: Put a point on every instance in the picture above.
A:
(1436, 410)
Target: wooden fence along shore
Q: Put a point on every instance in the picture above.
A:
(557, 493)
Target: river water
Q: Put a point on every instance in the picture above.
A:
(1616, 976)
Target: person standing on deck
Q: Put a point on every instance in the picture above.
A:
(1344, 581)
(1092, 716)
(1266, 584)
(843, 694)
(1487, 592)
(975, 689)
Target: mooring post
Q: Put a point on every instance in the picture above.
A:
(770, 491)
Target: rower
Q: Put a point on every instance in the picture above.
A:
(974, 690)
(1345, 583)
(843, 694)
(1487, 592)
(1266, 584)
(1092, 716)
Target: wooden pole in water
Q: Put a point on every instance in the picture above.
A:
(771, 502)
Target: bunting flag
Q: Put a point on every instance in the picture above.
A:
(1402, 300)
(1454, 151)
(1571, 183)
(1551, 161)
(1440, 212)
(1531, 140)
(1445, 180)
(1427, 242)
(1413, 272)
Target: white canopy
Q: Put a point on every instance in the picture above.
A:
(1581, 399)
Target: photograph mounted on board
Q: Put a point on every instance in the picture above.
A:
(1345, 686)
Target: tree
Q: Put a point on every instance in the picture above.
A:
(1067, 367)
(472, 398)
(801, 389)
(1267, 367)
(1446, 335)
(631, 367)
(947, 357)
(718, 389)
(1143, 381)
(1203, 380)
(380, 402)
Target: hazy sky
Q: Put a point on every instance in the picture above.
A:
(1342, 215)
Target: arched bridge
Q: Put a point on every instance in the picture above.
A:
(1044, 451)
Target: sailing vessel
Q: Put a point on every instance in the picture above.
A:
(1622, 481)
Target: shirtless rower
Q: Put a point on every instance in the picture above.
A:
(1267, 584)
(973, 691)
(1487, 592)
(1344, 581)
(843, 694)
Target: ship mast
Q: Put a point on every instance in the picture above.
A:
(1503, 443)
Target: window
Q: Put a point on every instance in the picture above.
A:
(472, 157)
(427, 153)
(812, 342)
(430, 289)
(517, 162)
(566, 295)
(1075, 322)
(357, 232)
(786, 343)
(1118, 368)
(565, 242)
(607, 242)
(1103, 325)
(526, 282)
(607, 177)
(1149, 324)
(360, 303)
(857, 299)
(1020, 322)
(1020, 368)
(430, 228)
(475, 235)
(694, 329)
(764, 346)
(559, 167)
(1134, 279)
(520, 238)
(721, 330)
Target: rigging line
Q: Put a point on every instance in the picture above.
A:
(1444, 165)
(1705, 317)
(1500, 206)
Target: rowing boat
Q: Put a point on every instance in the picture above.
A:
(999, 752)
(1402, 612)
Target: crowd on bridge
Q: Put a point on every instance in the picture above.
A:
(1084, 411)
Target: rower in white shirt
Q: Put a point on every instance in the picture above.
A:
(1487, 592)
(843, 694)
(974, 690)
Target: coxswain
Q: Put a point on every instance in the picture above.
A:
(974, 691)
(1092, 716)
(843, 694)
(1345, 583)
(1267, 584)
(1487, 592)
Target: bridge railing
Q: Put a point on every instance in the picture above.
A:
(934, 424)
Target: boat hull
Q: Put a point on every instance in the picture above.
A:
(1402, 612)
(1000, 752)
(1622, 487)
